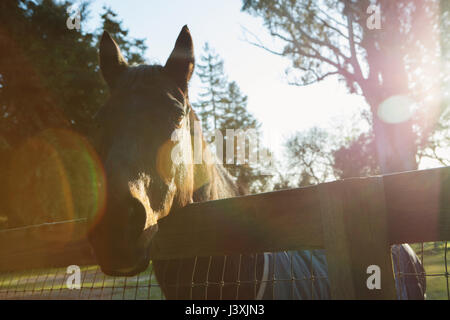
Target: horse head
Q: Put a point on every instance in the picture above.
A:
(136, 146)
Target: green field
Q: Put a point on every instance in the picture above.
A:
(52, 284)
(434, 262)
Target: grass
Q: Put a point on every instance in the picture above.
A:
(433, 258)
(51, 283)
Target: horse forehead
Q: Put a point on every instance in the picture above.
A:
(141, 101)
(141, 86)
(146, 78)
(146, 103)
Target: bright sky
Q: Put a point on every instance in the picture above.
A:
(282, 109)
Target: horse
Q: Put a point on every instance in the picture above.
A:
(135, 144)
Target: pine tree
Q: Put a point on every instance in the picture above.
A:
(235, 113)
(49, 78)
(133, 49)
(223, 106)
(211, 74)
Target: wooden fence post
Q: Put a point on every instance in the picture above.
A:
(355, 235)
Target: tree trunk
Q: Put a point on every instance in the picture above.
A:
(395, 146)
(395, 143)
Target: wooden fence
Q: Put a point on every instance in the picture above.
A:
(355, 220)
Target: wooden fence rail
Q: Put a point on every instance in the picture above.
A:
(355, 220)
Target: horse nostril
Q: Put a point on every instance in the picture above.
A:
(136, 216)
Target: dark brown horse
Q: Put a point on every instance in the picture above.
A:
(144, 183)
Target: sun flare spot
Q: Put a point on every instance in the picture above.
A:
(396, 109)
(56, 176)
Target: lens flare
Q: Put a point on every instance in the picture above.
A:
(56, 176)
(396, 109)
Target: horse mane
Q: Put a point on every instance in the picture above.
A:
(213, 181)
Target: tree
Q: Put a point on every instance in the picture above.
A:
(319, 155)
(328, 38)
(210, 102)
(49, 74)
(310, 157)
(132, 49)
(49, 78)
(45, 69)
(222, 106)
(46, 73)
(357, 158)
(235, 116)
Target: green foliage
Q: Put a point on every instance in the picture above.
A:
(319, 155)
(53, 177)
(38, 68)
(49, 75)
(357, 158)
(49, 78)
(331, 38)
(221, 105)
(212, 98)
(132, 49)
(310, 156)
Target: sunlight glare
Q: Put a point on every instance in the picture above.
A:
(396, 109)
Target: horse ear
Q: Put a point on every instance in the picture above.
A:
(180, 64)
(112, 63)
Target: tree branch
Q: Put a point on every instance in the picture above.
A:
(353, 56)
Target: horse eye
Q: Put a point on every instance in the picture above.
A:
(178, 117)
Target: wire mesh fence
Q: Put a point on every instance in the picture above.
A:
(268, 283)
(95, 285)
(435, 259)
